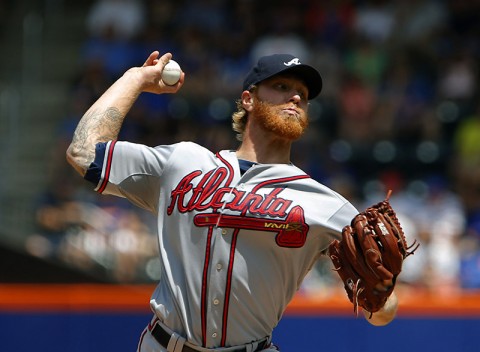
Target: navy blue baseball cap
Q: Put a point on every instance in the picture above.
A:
(271, 65)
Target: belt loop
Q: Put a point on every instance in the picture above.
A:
(175, 344)
(180, 342)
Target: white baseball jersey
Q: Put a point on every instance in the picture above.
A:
(234, 247)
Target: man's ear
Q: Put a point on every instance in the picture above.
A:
(247, 100)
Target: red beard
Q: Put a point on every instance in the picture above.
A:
(272, 118)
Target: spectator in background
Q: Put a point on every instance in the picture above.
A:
(365, 60)
(329, 23)
(417, 22)
(470, 255)
(112, 26)
(375, 20)
(357, 102)
(441, 222)
(282, 34)
(465, 161)
(458, 77)
(122, 19)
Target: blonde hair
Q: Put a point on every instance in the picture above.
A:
(239, 117)
(239, 120)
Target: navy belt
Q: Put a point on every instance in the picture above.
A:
(163, 337)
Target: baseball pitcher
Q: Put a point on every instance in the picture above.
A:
(238, 230)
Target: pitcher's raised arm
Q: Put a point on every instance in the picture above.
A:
(103, 120)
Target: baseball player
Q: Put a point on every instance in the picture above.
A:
(238, 230)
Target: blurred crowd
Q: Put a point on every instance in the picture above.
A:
(399, 110)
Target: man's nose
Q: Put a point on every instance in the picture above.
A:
(295, 97)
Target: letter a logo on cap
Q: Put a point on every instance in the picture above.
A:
(295, 61)
(271, 65)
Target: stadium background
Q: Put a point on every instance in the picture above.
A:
(399, 110)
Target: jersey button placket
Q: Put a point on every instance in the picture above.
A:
(216, 287)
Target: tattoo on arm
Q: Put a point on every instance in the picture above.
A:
(94, 127)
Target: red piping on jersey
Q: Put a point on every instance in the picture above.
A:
(228, 287)
(277, 180)
(107, 167)
(229, 167)
(204, 287)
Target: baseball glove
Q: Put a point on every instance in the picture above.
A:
(371, 253)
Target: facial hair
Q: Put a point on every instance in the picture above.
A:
(272, 118)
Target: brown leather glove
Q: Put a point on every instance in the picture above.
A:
(371, 254)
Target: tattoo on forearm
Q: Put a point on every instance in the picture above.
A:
(94, 127)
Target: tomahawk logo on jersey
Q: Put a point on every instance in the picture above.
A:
(213, 192)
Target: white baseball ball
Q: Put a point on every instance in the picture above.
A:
(171, 73)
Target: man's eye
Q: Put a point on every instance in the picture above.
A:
(285, 87)
(281, 86)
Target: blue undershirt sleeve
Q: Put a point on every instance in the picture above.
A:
(94, 172)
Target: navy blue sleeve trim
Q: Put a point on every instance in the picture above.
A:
(94, 172)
